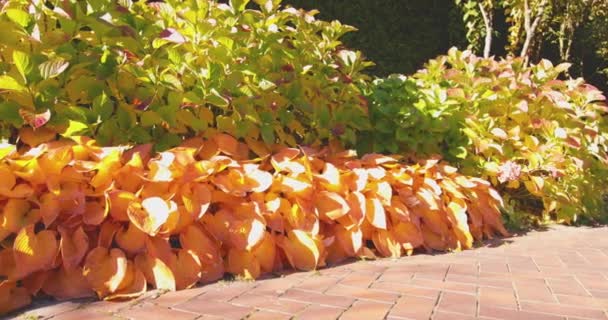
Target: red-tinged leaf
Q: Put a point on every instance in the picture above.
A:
(172, 35)
(35, 120)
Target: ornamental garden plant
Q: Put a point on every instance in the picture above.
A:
(165, 144)
(538, 137)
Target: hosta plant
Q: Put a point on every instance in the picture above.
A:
(537, 137)
(79, 220)
(141, 71)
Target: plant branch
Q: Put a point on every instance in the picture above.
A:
(487, 21)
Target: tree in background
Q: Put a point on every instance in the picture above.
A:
(532, 21)
(478, 16)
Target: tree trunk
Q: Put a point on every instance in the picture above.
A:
(531, 26)
(487, 21)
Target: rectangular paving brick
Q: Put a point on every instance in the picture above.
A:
(318, 283)
(316, 312)
(84, 314)
(396, 275)
(318, 298)
(486, 311)
(51, 310)
(276, 286)
(464, 269)
(563, 310)
(533, 290)
(459, 303)
(150, 311)
(407, 289)
(358, 279)
(567, 286)
(498, 297)
(445, 285)
(269, 303)
(413, 307)
(267, 315)
(582, 301)
(366, 310)
(215, 308)
(441, 315)
(363, 293)
(494, 267)
(485, 280)
(172, 298)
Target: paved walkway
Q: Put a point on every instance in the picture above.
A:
(557, 274)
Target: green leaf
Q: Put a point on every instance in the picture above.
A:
(9, 83)
(139, 135)
(18, 16)
(216, 99)
(267, 134)
(126, 119)
(75, 128)
(150, 118)
(103, 107)
(402, 134)
(239, 5)
(167, 141)
(52, 68)
(9, 112)
(22, 62)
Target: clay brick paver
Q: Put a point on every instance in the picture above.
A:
(561, 273)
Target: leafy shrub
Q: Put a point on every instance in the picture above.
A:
(159, 71)
(78, 219)
(539, 139)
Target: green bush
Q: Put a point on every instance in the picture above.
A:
(541, 140)
(142, 72)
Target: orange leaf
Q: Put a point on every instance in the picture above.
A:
(33, 137)
(375, 213)
(386, 244)
(330, 178)
(407, 234)
(243, 264)
(12, 297)
(156, 272)
(150, 215)
(351, 241)
(246, 234)
(73, 247)
(132, 286)
(301, 250)
(7, 263)
(105, 269)
(34, 252)
(331, 205)
(34, 282)
(132, 240)
(64, 285)
(197, 202)
(188, 269)
(106, 234)
(207, 250)
(17, 213)
(95, 213)
(226, 144)
(119, 203)
(257, 180)
(49, 208)
(265, 253)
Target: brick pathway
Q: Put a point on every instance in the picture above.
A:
(557, 274)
